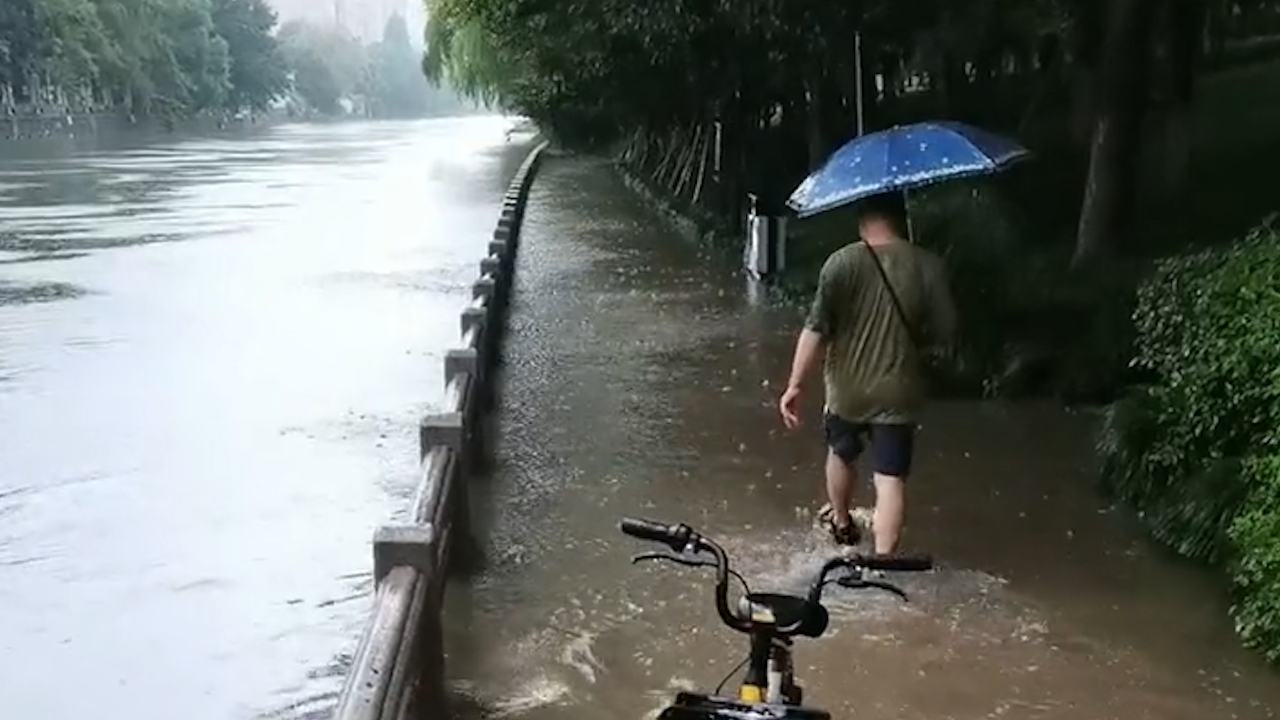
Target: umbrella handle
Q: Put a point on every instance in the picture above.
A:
(906, 208)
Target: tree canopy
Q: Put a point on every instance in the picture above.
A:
(162, 57)
(661, 62)
(174, 58)
(778, 79)
(383, 79)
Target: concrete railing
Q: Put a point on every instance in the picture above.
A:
(398, 670)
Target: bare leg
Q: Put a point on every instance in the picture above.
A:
(840, 483)
(890, 509)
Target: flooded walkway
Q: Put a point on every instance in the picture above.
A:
(640, 381)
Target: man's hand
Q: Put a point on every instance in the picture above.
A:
(808, 352)
(789, 407)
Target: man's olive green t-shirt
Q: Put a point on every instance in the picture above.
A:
(874, 369)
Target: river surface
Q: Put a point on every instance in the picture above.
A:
(213, 355)
(641, 380)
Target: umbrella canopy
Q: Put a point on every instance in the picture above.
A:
(902, 158)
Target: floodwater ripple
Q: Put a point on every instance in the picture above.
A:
(641, 379)
(213, 356)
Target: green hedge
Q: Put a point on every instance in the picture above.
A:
(1196, 451)
(1256, 570)
(1029, 325)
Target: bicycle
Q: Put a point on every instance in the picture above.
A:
(772, 621)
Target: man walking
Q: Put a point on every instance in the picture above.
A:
(879, 303)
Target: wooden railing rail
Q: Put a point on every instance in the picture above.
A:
(397, 672)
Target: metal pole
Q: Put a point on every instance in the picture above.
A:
(857, 68)
(716, 155)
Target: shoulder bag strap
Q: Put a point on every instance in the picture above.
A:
(893, 296)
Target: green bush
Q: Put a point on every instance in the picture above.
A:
(1256, 569)
(1195, 450)
(1029, 324)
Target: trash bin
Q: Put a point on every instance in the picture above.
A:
(764, 251)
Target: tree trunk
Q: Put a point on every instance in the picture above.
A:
(1086, 49)
(845, 78)
(871, 101)
(686, 174)
(729, 179)
(952, 81)
(1215, 32)
(1111, 188)
(707, 150)
(1048, 79)
(670, 144)
(890, 63)
(1186, 26)
(946, 69)
(986, 68)
(815, 134)
(837, 117)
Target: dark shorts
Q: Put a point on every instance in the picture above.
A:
(891, 445)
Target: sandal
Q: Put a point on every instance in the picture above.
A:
(847, 535)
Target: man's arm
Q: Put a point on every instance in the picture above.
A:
(817, 326)
(808, 352)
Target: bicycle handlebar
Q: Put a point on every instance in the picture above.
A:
(683, 539)
(677, 537)
(890, 563)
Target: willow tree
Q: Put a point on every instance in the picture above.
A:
(459, 52)
(18, 43)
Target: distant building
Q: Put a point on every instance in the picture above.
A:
(364, 19)
(316, 12)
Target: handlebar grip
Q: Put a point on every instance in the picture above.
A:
(899, 563)
(649, 530)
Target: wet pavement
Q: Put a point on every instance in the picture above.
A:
(213, 356)
(641, 381)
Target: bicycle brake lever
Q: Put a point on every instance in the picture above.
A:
(673, 557)
(650, 556)
(888, 588)
(856, 583)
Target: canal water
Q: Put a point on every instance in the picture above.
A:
(641, 379)
(213, 354)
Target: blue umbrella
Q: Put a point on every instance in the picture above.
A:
(902, 158)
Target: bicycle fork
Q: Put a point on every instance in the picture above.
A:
(770, 675)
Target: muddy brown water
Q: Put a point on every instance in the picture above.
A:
(641, 378)
(213, 355)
